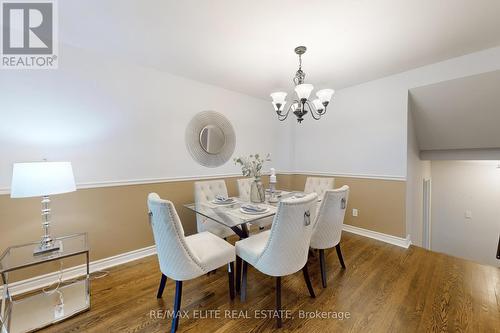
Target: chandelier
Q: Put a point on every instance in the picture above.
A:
(302, 105)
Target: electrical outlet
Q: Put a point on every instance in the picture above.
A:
(354, 212)
(468, 214)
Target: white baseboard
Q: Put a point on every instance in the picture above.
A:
(41, 281)
(398, 241)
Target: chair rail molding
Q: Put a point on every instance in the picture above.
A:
(168, 179)
(345, 175)
(112, 183)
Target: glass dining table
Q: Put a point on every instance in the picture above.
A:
(231, 215)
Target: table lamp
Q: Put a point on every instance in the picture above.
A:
(41, 179)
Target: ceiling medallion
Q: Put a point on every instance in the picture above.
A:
(302, 105)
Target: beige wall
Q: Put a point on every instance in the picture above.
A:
(381, 203)
(116, 217)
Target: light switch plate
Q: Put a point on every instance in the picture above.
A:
(468, 214)
(354, 212)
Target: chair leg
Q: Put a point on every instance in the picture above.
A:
(339, 254)
(177, 306)
(308, 281)
(163, 281)
(278, 301)
(322, 265)
(230, 273)
(243, 294)
(238, 274)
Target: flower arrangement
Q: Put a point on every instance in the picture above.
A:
(251, 166)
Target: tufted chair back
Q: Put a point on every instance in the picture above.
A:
(244, 188)
(206, 191)
(330, 218)
(288, 244)
(319, 185)
(176, 260)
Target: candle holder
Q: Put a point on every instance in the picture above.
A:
(272, 186)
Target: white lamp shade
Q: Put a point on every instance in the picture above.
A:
(304, 90)
(279, 97)
(325, 95)
(318, 105)
(41, 178)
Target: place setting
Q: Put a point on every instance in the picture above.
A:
(221, 200)
(252, 209)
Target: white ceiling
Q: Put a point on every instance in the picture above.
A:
(458, 114)
(247, 46)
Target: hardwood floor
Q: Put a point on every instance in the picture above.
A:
(384, 289)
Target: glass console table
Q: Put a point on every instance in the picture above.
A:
(36, 309)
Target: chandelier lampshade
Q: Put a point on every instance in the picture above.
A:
(279, 97)
(304, 90)
(325, 95)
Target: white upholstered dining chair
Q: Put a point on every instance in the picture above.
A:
(283, 250)
(244, 188)
(184, 258)
(319, 185)
(329, 223)
(206, 191)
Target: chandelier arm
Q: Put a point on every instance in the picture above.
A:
(283, 116)
(313, 111)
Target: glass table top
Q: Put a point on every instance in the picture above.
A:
(230, 215)
(20, 256)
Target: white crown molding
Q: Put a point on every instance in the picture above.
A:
(41, 281)
(394, 240)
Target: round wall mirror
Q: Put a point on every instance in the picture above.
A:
(212, 139)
